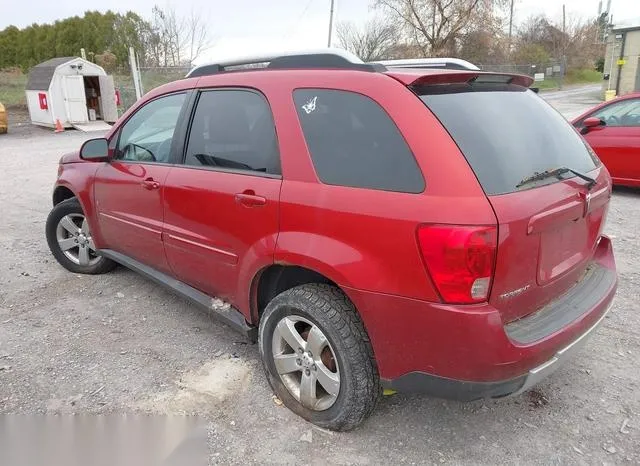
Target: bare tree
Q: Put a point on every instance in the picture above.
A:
(582, 50)
(174, 40)
(164, 36)
(538, 34)
(370, 42)
(435, 25)
(196, 35)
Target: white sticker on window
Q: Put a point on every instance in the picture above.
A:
(310, 106)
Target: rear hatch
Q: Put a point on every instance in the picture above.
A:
(547, 188)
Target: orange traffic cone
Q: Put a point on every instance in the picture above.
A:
(59, 128)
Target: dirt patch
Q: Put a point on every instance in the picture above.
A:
(17, 115)
(204, 390)
(537, 399)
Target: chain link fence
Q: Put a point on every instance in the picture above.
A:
(548, 75)
(150, 79)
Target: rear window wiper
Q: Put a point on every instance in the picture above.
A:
(557, 172)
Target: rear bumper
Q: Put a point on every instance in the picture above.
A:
(419, 382)
(467, 352)
(542, 371)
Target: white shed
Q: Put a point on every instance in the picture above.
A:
(75, 91)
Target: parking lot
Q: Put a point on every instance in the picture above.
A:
(119, 343)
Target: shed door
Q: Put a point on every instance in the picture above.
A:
(108, 97)
(74, 99)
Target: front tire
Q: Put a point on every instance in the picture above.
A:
(318, 358)
(70, 240)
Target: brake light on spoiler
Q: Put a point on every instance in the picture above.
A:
(433, 77)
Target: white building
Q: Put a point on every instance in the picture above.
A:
(74, 91)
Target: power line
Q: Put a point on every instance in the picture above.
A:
(294, 26)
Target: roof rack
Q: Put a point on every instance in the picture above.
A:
(446, 63)
(331, 58)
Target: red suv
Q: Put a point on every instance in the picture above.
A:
(423, 230)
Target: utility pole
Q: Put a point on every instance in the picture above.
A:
(510, 28)
(563, 64)
(331, 23)
(613, 57)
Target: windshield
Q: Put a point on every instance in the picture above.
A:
(507, 134)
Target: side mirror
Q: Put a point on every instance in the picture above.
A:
(590, 123)
(95, 149)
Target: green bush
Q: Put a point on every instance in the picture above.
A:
(583, 76)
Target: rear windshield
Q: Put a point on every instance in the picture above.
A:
(507, 133)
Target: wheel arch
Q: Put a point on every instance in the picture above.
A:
(277, 278)
(65, 190)
(62, 193)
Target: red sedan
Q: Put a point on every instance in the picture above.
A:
(612, 129)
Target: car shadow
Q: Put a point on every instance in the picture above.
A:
(626, 191)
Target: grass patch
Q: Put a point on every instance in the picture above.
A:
(546, 84)
(583, 76)
(573, 77)
(12, 84)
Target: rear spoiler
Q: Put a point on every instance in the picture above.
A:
(415, 78)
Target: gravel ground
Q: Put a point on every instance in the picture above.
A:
(118, 343)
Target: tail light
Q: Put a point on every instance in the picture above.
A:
(460, 260)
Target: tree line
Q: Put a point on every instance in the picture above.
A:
(481, 31)
(164, 39)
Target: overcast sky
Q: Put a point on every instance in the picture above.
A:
(244, 27)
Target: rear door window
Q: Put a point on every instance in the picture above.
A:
(507, 134)
(233, 129)
(353, 142)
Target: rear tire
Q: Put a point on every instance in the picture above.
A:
(70, 241)
(342, 376)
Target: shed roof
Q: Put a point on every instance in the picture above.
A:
(40, 75)
(629, 25)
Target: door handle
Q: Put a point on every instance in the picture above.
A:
(150, 183)
(249, 199)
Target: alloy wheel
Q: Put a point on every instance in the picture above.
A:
(75, 241)
(306, 362)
